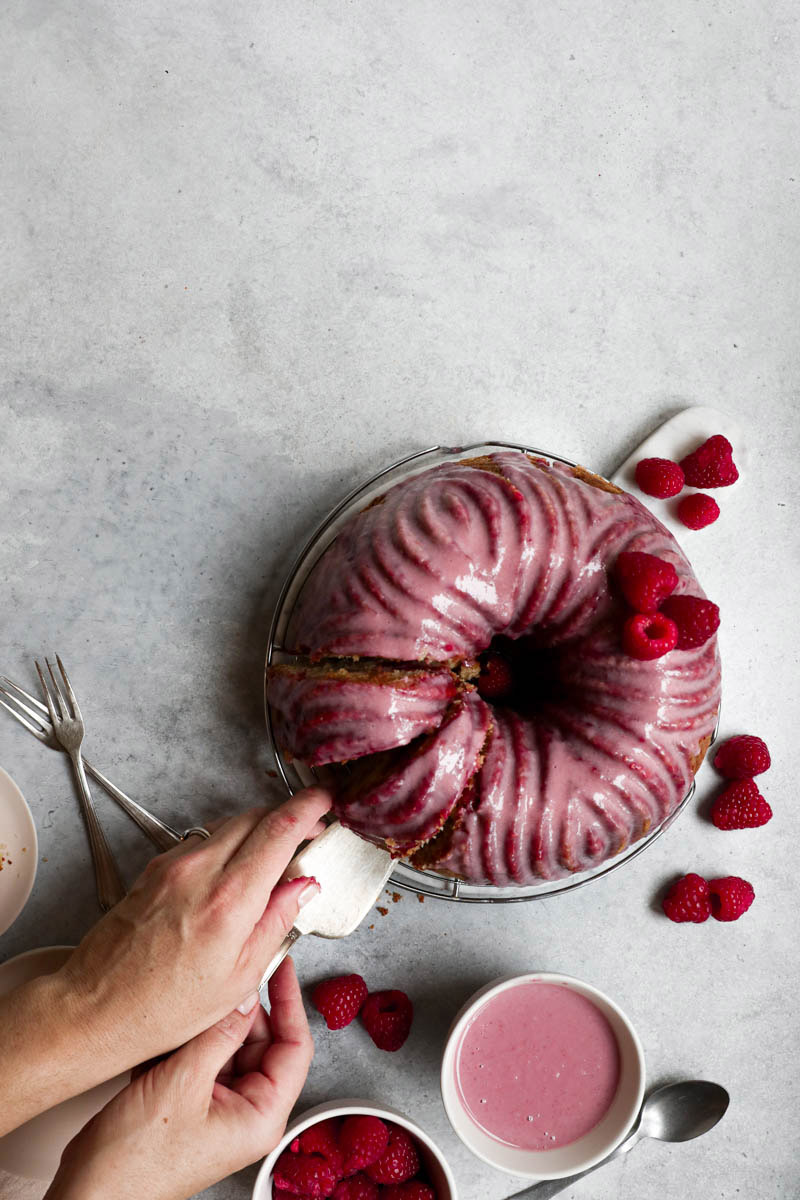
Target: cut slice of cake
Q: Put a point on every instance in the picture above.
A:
(333, 712)
(403, 798)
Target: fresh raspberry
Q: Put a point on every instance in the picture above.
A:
(399, 1160)
(496, 678)
(696, 619)
(711, 465)
(412, 1189)
(742, 757)
(362, 1140)
(740, 806)
(696, 511)
(730, 897)
(322, 1138)
(387, 1018)
(659, 477)
(649, 635)
(307, 1175)
(357, 1187)
(688, 900)
(644, 579)
(340, 999)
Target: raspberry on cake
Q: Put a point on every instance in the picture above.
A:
(589, 749)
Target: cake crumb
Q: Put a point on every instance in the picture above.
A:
(383, 911)
(420, 897)
(370, 926)
(395, 897)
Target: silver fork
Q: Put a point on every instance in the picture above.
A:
(68, 728)
(35, 720)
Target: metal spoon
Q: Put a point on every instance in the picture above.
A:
(675, 1112)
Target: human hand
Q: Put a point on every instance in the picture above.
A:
(191, 939)
(209, 1109)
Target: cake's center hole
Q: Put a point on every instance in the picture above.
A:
(518, 674)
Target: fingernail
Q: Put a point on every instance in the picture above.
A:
(311, 890)
(248, 1005)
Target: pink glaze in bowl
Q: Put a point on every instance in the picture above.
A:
(586, 1116)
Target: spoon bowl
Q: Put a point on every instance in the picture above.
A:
(680, 1111)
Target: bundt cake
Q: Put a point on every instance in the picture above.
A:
(589, 750)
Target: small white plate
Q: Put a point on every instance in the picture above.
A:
(34, 1150)
(19, 851)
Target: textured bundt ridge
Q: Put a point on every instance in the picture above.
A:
(424, 579)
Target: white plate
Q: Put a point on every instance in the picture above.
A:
(34, 1150)
(19, 851)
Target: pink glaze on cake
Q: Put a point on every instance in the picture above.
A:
(537, 1066)
(412, 796)
(326, 716)
(521, 549)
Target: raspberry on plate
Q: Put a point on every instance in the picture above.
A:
(413, 1189)
(340, 999)
(697, 619)
(307, 1175)
(742, 756)
(740, 806)
(399, 1160)
(710, 465)
(387, 1018)
(644, 579)
(697, 511)
(322, 1138)
(362, 1140)
(659, 477)
(649, 635)
(357, 1187)
(730, 897)
(688, 900)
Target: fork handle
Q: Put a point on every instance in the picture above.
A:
(160, 834)
(110, 888)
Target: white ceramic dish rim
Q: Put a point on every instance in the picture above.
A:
(296, 775)
(27, 818)
(348, 1107)
(463, 1125)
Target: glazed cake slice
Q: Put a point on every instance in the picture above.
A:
(403, 798)
(330, 713)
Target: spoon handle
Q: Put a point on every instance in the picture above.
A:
(551, 1187)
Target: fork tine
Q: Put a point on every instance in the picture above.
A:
(15, 700)
(62, 704)
(37, 732)
(48, 698)
(76, 712)
(9, 683)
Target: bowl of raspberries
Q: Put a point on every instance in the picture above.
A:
(354, 1150)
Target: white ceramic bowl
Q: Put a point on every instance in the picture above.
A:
(441, 1176)
(585, 1151)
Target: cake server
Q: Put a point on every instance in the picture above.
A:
(351, 873)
